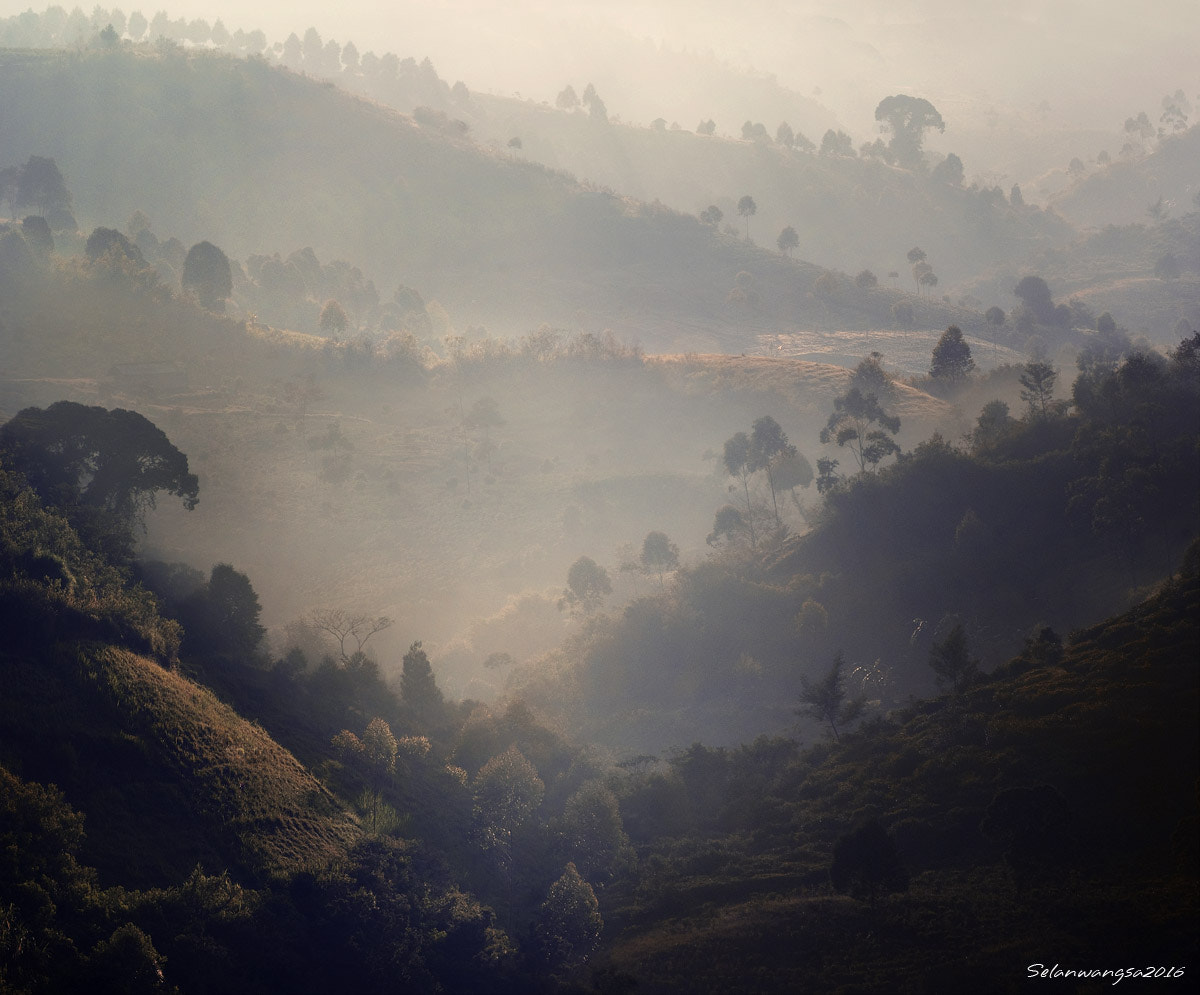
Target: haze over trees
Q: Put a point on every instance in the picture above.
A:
(511, 648)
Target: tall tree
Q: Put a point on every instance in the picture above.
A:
(41, 185)
(345, 625)
(569, 924)
(739, 462)
(951, 362)
(333, 319)
(568, 99)
(588, 584)
(827, 700)
(1037, 387)
(746, 208)
(207, 274)
(507, 792)
(233, 611)
(769, 447)
(1035, 295)
(659, 554)
(850, 425)
(418, 689)
(907, 119)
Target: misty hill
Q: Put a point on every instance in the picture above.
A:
(254, 158)
(1026, 525)
(1126, 191)
(343, 473)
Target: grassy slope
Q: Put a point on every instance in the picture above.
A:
(167, 775)
(259, 160)
(1112, 728)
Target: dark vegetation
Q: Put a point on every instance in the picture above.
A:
(940, 687)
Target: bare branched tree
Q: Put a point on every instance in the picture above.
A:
(343, 625)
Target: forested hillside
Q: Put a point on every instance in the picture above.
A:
(454, 544)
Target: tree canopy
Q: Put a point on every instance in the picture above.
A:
(850, 425)
(907, 118)
(207, 274)
(41, 185)
(111, 462)
(588, 584)
(951, 361)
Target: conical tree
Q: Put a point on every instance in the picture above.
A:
(418, 689)
(569, 923)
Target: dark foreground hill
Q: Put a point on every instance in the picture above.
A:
(1046, 816)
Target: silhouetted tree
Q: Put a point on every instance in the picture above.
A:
(595, 106)
(588, 585)
(41, 185)
(784, 134)
(907, 118)
(746, 208)
(951, 661)
(837, 143)
(1035, 295)
(866, 864)
(769, 446)
(593, 828)
(712, 215)
(659, 554)
(850, 424)
(706, 127)
(88, 461)
(739, 461)
(569, 924)
(866, 280)
(949, 171)
(345, 625)
(110, 243)
(232, 611)
(567, 99)
(207, 274)
(827, 476)
(951, 360)
(333, 319)
(730, 525)
(1037, 387)
(826, 700)
(991, 426)
(418, 689)
(788, 240)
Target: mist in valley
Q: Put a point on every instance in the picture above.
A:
(545, 494)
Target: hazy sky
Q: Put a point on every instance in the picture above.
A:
(1092, 61)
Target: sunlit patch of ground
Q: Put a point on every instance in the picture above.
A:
(906, 352)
